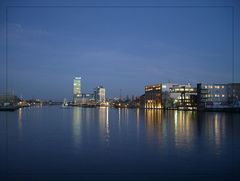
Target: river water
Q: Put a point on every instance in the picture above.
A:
(54, 143)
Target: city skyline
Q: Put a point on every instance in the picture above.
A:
(132, 48)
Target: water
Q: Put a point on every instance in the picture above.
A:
(53, 143)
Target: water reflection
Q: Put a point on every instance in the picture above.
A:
(90, 125)
(154, 124)
(20, 124)
(77, 126)
(119, 120)
(214, 129)
(20, 110)
(181, 130)
(185, 129)
(138, 122)
(123, 119)
(104, 123)
(137, 117)
(149, 142)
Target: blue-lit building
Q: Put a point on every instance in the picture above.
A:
(100, 94)
(218, 95)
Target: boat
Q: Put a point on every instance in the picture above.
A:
(65, 103)
(8, 107)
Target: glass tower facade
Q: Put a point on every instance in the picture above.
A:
(99, 94)
(77, 86)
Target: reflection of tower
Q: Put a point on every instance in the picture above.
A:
(76, 126)
(104, 123)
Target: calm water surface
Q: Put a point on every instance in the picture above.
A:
(106, 143)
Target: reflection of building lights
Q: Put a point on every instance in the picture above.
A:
(104, 123)
(137, 117)
(20, 118)
(107, 122)
(76, 124)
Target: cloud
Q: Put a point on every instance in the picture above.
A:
(19, 29)
(19, 35)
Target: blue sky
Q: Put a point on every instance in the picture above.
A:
(119, 48)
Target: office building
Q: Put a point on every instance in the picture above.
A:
(212, 95)
(77, 86)
(183, 97)
(153, 97)
(233, 91)
(85, 99)
(76, 89)
(99, 94)
(218, 95)
(167, 100)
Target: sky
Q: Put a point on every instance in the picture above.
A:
(119, 48)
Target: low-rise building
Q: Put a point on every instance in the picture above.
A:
(84, 98)
(233, 91)
(153, 96)
(213, 95)
(183, 97)
(167, 100)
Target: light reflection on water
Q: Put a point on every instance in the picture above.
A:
(104, 123)
(87, 120)
(77, 126)
(20, 118)
(181, 127)
(120, 140)
(162, 128)
(20, 122)
(215, 130)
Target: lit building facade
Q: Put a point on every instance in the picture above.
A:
(218, 95)
(233, 90)
(167, 100)
(212, 95)
(183, 96)
(100, 94)
(76, 89)
(153, 96)
(187, 97)
(77, 86)
(85, 98)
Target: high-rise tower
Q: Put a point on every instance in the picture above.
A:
(99, 93)
(76, 87)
